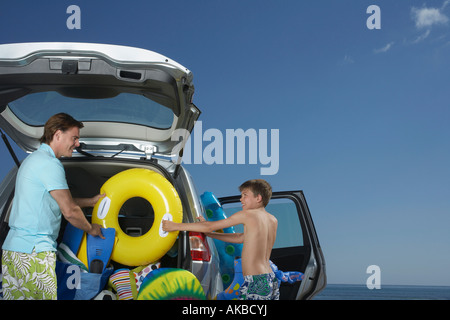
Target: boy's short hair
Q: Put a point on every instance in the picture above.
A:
(258, 187)
(60, 121)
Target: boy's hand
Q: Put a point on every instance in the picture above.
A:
(168, 226)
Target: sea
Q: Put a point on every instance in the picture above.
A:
(386, 292)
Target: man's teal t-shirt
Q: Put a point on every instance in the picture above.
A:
(35, 215)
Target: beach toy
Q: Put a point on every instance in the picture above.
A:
(170, 284)
(82, 251)
(126, 283)
(72, 237)
(152, 186)
(232, 292)
(140, 273)
(288, 276)
(105, 295)
(227, 251)
(120, 282)
(99, 250)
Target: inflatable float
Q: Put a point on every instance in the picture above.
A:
(227, 251)
(150, 185)
(126, 283)
(171, 284)
(232, 292)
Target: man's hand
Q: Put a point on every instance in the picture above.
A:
(88, 202)
(95, 199)
(96, 231)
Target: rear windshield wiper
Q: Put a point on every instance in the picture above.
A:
(84, 153)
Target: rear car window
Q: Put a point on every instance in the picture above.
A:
(35, 109)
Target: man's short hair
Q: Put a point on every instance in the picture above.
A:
(258, 187)
(59, 121)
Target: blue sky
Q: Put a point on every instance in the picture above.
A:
(362, 113)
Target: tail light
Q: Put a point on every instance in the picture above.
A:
(199, 247)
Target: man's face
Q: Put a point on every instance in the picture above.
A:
(67, 141)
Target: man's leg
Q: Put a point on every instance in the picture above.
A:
(29, 276)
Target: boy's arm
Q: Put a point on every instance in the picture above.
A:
(227, 237)
(204, 226)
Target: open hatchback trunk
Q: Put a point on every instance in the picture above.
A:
(130, 100)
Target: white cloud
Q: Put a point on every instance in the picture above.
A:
(346, 60)
(385, 48)
(426, 17)
(422, 36)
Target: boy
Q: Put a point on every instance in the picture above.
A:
(260, 228)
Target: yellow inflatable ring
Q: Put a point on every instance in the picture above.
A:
(150, 185)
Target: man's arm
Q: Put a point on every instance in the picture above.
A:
(73, 213)
(88, 202)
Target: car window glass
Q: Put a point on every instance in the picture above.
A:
(35, 109)
(289, 233)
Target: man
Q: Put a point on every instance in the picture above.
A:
(41, 195)
(260, 228)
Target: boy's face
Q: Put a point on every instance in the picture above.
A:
(249, 200)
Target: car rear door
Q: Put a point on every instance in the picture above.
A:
(297, 246)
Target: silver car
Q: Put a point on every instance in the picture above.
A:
(137, 109)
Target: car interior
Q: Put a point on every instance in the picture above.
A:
(136, 215)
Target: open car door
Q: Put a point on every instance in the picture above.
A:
(297, 246)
